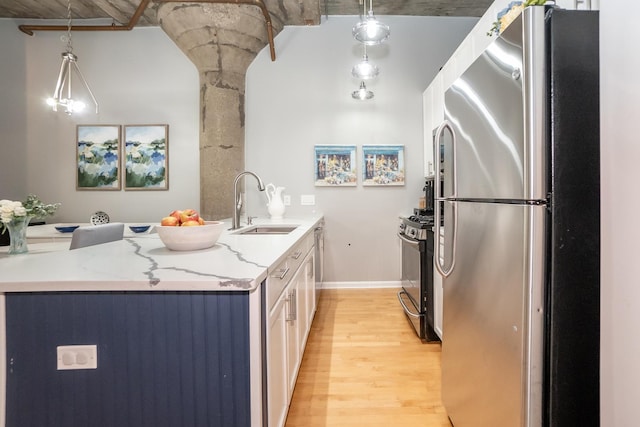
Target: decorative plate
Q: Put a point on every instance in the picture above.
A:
(66, 228)
(99, 218)
(139, 228)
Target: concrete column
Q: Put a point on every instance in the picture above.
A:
(221, 40)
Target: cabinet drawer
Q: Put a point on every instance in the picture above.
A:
(300, 251)
(283, 272)
(296, 256)
(277, 281)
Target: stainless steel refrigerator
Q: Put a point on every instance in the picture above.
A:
(520, 226)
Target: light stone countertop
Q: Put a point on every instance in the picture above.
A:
(48, 232)
(143, 263)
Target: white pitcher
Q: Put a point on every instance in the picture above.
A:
(275, 206)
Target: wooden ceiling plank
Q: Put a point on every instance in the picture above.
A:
(32, 9)
(116, 11)
(122, 10)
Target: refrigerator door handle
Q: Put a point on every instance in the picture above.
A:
(439, 262)
(440, 267)
(438, 160)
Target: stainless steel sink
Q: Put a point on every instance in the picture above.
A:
(267, 229)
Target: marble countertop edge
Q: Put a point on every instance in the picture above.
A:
(236, 263)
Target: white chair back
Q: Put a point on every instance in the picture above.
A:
(96, 234)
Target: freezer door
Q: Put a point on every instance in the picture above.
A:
(497, 112)
(492, 308)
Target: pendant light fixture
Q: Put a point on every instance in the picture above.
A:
(62, 95)
(365, 70)
(362, 93)
(369, 30)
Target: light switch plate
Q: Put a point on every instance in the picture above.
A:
(287, 200)
(77, 357)
(307, 200)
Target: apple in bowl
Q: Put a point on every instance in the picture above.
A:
(189, 215)
(170, 221)
(186, 217)
(186, 230)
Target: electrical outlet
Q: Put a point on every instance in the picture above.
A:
(77, 357)
(307, 200)
(287, 200)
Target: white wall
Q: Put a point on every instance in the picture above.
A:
(620, 316)
(13, 105)
(138, 77)
(304, 98)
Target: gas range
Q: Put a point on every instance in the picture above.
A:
(416, 296)
(416, 225)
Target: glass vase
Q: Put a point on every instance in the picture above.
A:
(18, 235)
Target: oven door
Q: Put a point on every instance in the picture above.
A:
(410, 296)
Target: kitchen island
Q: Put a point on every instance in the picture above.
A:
(181, 337)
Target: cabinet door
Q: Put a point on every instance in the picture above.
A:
(303, 307)
(311, 291)
(277, 371)
(437, 303)
(293, 350)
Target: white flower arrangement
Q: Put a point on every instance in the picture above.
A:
(10, 210)
(31, 207)
(511, 12)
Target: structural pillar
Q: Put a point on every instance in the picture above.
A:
(221, 40)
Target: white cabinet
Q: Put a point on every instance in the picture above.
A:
(306, 300)
(438, 290)
(437, 303)
(300, 315)
(433, 112)
(289, 320)
(310, 290)
(293, 332)
(277, 375)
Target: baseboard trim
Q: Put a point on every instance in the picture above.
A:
(361, 285)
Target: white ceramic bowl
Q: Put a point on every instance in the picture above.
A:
(190, 238)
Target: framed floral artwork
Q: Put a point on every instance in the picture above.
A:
(383, 165)
(335, 165)
(98, 157)
(146, 157)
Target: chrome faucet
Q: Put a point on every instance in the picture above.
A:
(237, 198)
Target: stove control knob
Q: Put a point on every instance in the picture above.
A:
(412, 232)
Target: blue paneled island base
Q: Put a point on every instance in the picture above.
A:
(165, 359)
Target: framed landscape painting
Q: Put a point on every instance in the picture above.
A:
(383, 165)
(335, 165)
(146, 157)
(98, 157)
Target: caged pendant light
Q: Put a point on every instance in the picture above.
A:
(62, 95)
(369, 30)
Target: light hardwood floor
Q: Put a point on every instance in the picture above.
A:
(364, 366)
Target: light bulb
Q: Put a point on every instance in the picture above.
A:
(365, 70)
(362, 93)
(370, 31)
